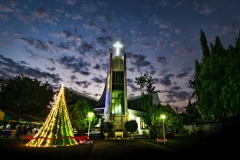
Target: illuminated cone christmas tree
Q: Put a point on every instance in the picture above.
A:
(57, 129)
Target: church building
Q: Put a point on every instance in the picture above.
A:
(113, 105)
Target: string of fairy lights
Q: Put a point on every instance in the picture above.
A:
(57, 129)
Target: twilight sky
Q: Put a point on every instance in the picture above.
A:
(69, 41)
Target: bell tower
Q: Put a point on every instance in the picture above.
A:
(116, 109)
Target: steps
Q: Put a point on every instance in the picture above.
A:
(98, 135)
(95, 135)
(139, 136)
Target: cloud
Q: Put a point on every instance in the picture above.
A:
(25, 18)
(152, 72)
(50, 21)
(206, 9)
(163, 2)
(163, 71)
(187, 68)
(10, 69)
(34, 29)
(165, 81)
(173, 96)
(73, 77)
(83, 84)
(103, 40)
(30, 52)
(41, 12)
(90, 24)
(161, 60)
(97, 67)
(62, 46)
(4, 8)
(4, 17)
(185, 50)
(89, 7)
(51, 69)
(106, 19)
(75, 64)
(182, 96)
(71, 2)
(173, 44)
(38, 44)
(98, 80)
(139, 60)
(67, 34)
(5, 33)
(132, 69)
(179, 3)
(177, 30)
(77, 17)
(175, 88)
(155, 19)
(86, 73)
(85, 47)
(181, 75)
(165, 25)
(133, 87)
(226, 30)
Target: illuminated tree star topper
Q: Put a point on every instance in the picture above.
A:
(118, 46)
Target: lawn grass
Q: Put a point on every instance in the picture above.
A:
(210, 146)
(11, 148)
(183, 143)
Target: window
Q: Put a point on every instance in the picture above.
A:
(118, 92)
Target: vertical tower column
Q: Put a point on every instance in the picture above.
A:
(118, 90)
(116, 109)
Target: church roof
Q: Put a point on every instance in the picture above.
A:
(78, 95)
(134, 103)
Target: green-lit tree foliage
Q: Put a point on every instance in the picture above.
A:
(153, 118)
(78, 115)
(25, 95)
(216, 81)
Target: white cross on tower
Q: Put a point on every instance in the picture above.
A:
(118, 46)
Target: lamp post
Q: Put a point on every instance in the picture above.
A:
(163, 117)
(90, 117)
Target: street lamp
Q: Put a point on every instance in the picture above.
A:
(90, 118)
(163, 117)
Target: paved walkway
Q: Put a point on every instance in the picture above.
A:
(128, 149)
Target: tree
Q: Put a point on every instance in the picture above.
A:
(25, 95)
(215, 82)
(146, 86)
(78, 115)
(153, 118)
(141, 81)
(193, 114)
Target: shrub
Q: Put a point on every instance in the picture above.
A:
(131, 126)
